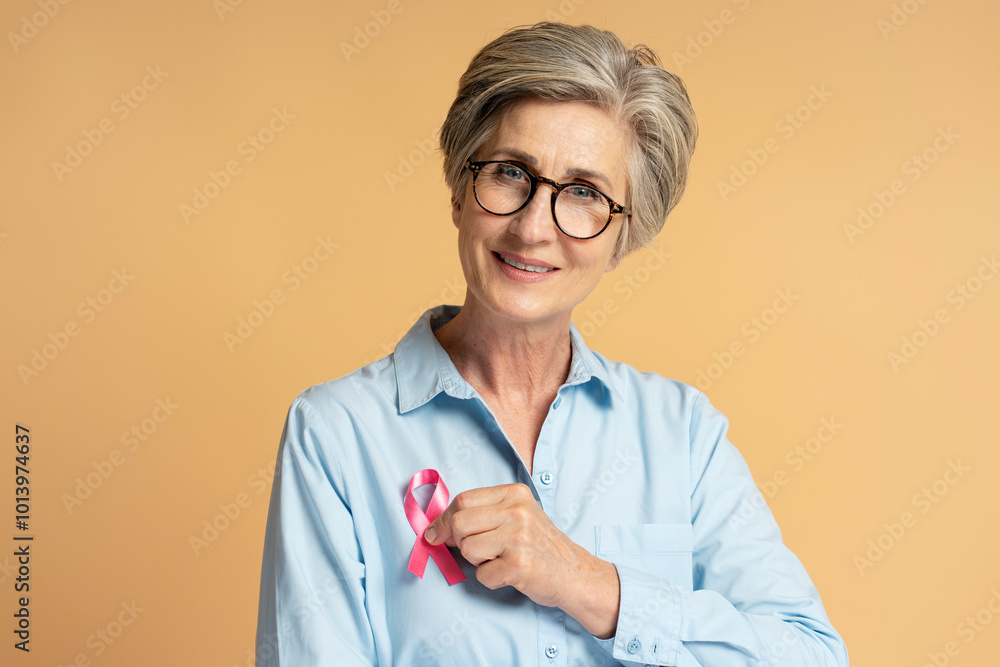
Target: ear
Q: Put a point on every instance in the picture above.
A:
(615, 258)
(612, 262)
(456, 211)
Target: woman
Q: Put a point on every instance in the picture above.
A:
(589, 521)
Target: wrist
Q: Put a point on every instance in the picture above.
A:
(596, 598)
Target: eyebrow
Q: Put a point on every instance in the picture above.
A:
(531, 161)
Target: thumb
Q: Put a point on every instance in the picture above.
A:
(439, 530)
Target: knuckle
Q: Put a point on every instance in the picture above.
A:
(520, 513)
(488, 578)
(519, 561)
(461, 501)
(521, 489)
(520, 539)
(459, 523)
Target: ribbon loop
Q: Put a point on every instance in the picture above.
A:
(419, 520)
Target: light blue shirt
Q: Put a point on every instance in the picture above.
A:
(634, 467)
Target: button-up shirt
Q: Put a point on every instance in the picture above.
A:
(634, 467)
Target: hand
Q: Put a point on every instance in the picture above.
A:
(503, 531)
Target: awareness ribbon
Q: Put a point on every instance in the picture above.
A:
(419, 520)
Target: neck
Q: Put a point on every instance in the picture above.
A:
(513, 362)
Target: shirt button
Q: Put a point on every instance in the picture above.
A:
(546, 478)
(633, 646)
(551, 651)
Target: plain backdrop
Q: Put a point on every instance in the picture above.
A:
(209, 206)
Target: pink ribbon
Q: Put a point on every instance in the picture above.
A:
(419, 520)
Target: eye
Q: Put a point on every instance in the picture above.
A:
(510, 171)
(583, 192)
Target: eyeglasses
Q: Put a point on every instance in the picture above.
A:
(580, 211)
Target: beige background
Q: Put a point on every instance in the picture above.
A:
(346, 160)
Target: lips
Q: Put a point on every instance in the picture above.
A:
(526, 263)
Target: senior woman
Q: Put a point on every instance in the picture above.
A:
(494, 492)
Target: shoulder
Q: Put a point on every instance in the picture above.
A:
(364, 391)
(324, 423)
(650, 390)
(676, 403)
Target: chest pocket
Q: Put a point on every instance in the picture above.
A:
(659, 549)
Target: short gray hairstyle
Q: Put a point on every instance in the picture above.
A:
(559, 62)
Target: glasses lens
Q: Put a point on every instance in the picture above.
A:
(502, 187)
(582, 211)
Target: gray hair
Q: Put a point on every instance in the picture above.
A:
(559, 62)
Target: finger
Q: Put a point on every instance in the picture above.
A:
(492, 573)
(440, 530)
(482, 548)
(456, 525)
(491, 520)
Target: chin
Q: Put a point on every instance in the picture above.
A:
(527, 309)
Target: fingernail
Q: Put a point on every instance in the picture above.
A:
(430, 533)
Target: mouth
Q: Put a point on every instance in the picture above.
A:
(525, 267)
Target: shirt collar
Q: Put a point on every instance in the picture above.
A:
(424, 369)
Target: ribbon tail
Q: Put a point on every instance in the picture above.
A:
(447, 564)
(418, 559)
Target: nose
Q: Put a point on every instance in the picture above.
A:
(534, 222)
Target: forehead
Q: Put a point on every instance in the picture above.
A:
(564, 137)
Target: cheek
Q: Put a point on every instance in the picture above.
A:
(590, 270)
(471, 252)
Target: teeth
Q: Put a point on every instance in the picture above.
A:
(525, 267)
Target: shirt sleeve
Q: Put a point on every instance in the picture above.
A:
(753, 602)
(312, 589)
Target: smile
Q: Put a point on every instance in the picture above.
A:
(524, 267)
